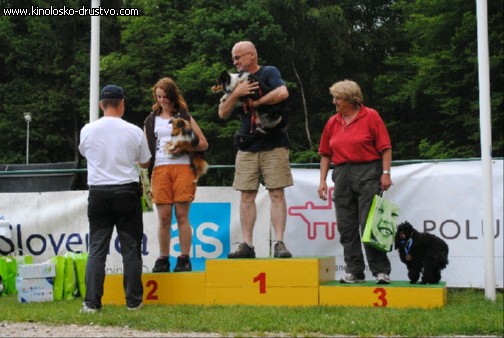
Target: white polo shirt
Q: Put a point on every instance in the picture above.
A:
(112, 148)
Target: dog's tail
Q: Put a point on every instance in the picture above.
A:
(444, 257)
(199, 165)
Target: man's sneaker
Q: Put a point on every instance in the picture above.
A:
(135, 308)
(183, 264)
(350, 278)
(382, 278)
(281, 251)
(87, 309)
(161, 265)
(243, 251)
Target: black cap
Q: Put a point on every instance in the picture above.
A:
(112, 92)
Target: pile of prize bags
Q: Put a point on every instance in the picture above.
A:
(69, 279)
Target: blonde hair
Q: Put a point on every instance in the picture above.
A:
(347, 90)
(173, 94)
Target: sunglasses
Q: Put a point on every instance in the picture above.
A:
(237, 57)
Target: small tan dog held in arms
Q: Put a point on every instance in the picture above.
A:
(183, 138)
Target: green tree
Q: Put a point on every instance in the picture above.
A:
(416, 62)
(432, 86)
(45, 70)
(191, 43)
(311, 58)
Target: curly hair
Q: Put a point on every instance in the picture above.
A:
(348, 90)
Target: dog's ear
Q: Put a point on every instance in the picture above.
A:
(397, 239)
(195, 140)
(252, 78)
(224, 78)
(408, 229)
(180, 123)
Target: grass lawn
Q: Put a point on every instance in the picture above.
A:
(467, 312)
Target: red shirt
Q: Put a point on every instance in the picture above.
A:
(362, 140)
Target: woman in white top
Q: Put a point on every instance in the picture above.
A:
(172, 180)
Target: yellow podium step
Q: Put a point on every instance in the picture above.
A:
(160, 288)
(267, 281)
(397, 294)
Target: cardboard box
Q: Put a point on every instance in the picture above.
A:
(34, 284)
(35, 296)
(42, 270)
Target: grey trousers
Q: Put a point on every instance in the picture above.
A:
(118, 206)
(355, 184)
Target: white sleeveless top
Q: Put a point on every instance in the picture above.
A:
(162, 132)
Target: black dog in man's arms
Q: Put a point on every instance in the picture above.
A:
(423, 253)
(267, 118)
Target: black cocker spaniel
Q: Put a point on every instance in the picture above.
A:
(423, 253)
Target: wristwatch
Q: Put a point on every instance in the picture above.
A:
(386, 172)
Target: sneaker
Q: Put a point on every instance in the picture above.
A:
(382, 278)
(87, 309)
(244, 251)
(281, 251)
(350, 278)
(135, 308)
(183, 264)
(161, 265)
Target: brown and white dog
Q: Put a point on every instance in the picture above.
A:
(184, 139)
(267, 118)
(227, 82)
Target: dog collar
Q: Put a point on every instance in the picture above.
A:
(407, 247)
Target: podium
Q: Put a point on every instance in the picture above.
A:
(268, 281)
(160, 288)
(397, 294)
(298, 281)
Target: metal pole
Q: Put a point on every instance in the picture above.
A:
(27, 117)
(94, 77)
(27, 141)
(486, 147)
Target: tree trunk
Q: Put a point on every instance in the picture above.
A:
(305, 109)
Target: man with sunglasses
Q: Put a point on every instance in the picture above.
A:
(259, 156)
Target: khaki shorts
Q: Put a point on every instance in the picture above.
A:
(173, 184)
(273, 165)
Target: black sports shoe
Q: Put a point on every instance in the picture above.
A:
(183, 264)
(281, 251)
(161, 265)
(243, 251)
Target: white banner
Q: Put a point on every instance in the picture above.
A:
(440, 198)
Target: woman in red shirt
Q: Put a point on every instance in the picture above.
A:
(357, 142)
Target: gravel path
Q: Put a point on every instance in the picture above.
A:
(8, 329)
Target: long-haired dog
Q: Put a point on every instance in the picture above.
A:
(267, 118)
(423, 253)
(184, 139)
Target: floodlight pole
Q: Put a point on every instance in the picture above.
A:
(27, 117)
(94, 78)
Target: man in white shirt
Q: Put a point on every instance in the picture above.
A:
(112, 148)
